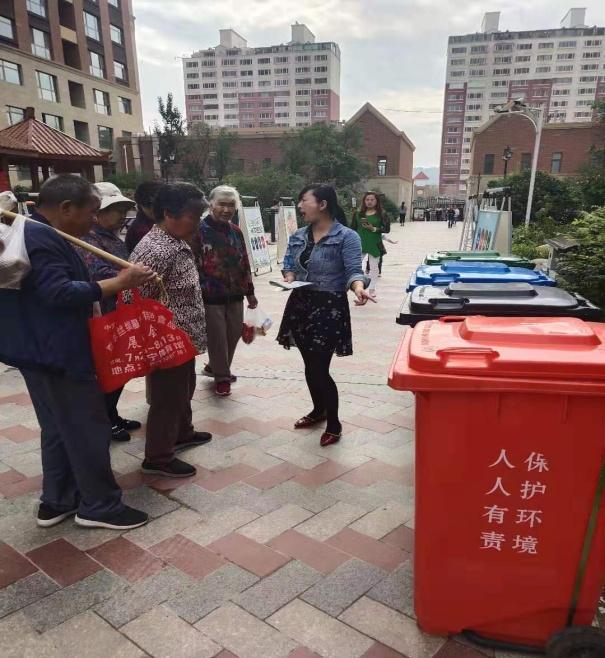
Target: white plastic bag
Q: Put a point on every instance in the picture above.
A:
(256, 322)
(14, 261)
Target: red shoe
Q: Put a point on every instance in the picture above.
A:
(223, 389)
(328, 438)
(308, 421)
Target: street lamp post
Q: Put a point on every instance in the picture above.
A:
(506, 156)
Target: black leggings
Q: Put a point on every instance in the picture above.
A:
(322, 388)
(111, 404)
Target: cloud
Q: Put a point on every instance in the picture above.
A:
(393, 51)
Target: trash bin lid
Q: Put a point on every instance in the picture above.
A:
(471, 272)
(494, 353)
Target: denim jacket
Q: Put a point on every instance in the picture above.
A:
(335, 261)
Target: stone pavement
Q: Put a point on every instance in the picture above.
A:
(276, 548)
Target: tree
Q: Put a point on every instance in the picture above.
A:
(168, 133)
(553, 197)
(194, 153)
(324, 153)
(223, 149)
(591, 179)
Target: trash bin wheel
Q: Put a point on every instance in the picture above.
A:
(577, 642)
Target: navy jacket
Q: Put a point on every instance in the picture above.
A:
(45, 324)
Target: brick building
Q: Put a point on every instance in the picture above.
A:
(564, 147)
(388, 151)
(74, 62)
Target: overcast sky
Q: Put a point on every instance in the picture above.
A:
(393, 51)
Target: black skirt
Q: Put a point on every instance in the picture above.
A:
(317, 321)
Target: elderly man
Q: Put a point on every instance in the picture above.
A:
(226, 279)
(45, 335)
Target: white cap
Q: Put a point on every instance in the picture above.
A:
(109, 194)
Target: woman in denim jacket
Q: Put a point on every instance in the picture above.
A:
(317, 318)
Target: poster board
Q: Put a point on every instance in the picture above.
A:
(486, 228)
(251, 225)
(287, 224)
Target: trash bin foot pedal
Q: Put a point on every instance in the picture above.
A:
(489, 643)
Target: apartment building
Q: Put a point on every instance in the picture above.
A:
(74, 62)
(286, 86)
(562, 70)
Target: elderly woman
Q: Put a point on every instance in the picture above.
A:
(226, 279)
(177, 210)
(109, 220)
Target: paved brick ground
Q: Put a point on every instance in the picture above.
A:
(276, 548)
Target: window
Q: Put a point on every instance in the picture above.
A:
(282, 83)
(264, 60)
(302, 114)
(264, 83)
(526, 161)
(47, 87)
(265, 115)
(280, 60)
(303, 92)
(501, 71)
(524, 46)
(210, 96)
(244, 74)
(37, 7)
(208, 63)
(53, 120)
(282, 115)
(474, 106)
(91, 26)
(521, 71)
(523, 58)
(583, 91)
(555, 163)
(381, 165)
(303, 81)
(455, 108)
(478, 49)
(320, 69)
(451, 151)
(195, 76)
(40, 43)
(282, 103)
(119, 70)
(488, 163)
(544, 45)
(499, 83)
(205, 85)
(124, 105)
(303, 103)
(97, 64)
(14, 114)
(503, 60)
(302, 69)
(475, 95)
(453, 129)
(543, 69)
(114, 3)
(476, 73)
(81, 131)
(228, 62)
(592, 43)
(582, 115)
(567, 44)
(560, 92)
(101, 99)
(193, 85)
(559, 104)
(191, 65)
(458, 51)
(105, 137)
(320, 81)
(591, 55)
(115, 33)
(247, 83)
(565, 69)
(6, 28)
(585, 103)
(589, 67)
(588, 78)
(457, 74)
(544, 58)
(264, 71)
(499, 94)
(245, 62)
(503, 46)
(303, 58)
(229, 85)
(566, 56)
(477, 61)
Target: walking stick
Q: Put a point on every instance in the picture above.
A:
(120, 262)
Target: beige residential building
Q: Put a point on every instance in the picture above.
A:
(74, 62)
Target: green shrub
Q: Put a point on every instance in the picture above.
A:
(583, 270)
(528, 240)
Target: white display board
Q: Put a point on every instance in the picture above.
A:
(251, 224)
(286, 226)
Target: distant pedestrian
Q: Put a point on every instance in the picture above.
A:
(451, 217)
(142, 223)
(439, 214)
(402, 213)
(427, 215)
(456, 215)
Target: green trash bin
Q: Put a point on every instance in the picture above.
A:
(437, 257)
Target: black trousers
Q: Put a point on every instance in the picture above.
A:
(111, 404)
(322, 387)
(75, 436)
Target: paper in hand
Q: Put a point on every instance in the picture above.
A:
(291, 286)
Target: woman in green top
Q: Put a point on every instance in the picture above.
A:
(370, 225)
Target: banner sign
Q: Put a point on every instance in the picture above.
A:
(286, 225)
(485, 230)
(256, 240)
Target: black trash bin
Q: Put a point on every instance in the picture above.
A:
(495, 299)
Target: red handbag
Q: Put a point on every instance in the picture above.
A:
(136, 339)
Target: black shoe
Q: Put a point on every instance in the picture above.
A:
(48, 517)
(119, 434)
(198, 439)
(129, 425)
(176, 469)
(127, 519)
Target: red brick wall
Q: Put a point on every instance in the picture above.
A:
(574, 141)
(379, 141)
(254, 150)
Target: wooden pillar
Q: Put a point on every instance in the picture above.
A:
(33, 172)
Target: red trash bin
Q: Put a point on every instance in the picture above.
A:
(510, 448)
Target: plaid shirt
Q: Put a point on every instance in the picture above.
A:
(173, 260)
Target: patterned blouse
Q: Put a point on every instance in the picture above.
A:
(173, 260)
